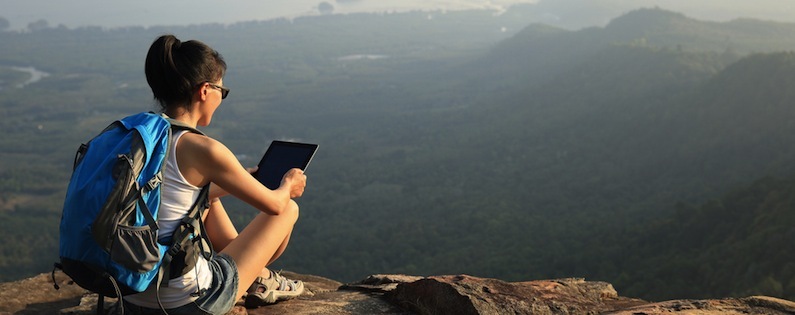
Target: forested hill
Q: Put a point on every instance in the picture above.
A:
(736, 245)
(739, 243)
(540, 51)
(449, 146)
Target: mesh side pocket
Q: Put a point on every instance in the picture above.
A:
(135, 248)
(118, 206)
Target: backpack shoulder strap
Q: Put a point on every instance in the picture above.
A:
(191, 225)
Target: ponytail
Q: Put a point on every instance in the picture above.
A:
(174, 69)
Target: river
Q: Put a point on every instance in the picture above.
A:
(36, 75)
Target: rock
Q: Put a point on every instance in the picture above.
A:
(88, 305)
(403, 295)
(327, 296)
(771, 303)
(749, 305)
(380, 283)
(464, 294)
(37, 295)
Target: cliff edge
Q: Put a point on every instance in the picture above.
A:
(402, 294)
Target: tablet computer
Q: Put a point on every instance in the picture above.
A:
(280, 157)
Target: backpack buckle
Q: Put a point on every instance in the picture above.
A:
(154, 182)
(175, 249)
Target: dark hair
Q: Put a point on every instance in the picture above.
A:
(175, 69)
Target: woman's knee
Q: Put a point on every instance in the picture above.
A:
(292, 210)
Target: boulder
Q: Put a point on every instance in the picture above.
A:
(464, 294)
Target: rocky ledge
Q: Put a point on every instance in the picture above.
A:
(401, 294)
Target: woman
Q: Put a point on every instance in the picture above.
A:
(186, 78)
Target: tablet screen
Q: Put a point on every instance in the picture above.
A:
(280, 157)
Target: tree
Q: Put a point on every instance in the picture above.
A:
(325, 8)
(38, 25)
(4, 24)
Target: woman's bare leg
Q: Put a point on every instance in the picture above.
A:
(280, 251)
(219, 227)
(221, 232)
(260, 243)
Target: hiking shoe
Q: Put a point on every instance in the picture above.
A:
(274, 289)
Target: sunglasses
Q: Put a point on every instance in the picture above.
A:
(224, 90)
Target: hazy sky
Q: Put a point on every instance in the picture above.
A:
(110, 13)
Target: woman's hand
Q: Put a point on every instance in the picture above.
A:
(252, 170)
(296, 180)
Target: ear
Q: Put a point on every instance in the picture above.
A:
(201, 93)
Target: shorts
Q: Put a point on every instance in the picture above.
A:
(217, 300)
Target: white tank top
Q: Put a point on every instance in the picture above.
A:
(177, 196)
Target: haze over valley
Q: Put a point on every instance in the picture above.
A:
(643, 146)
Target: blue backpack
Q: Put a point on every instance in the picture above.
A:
(109, 232)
